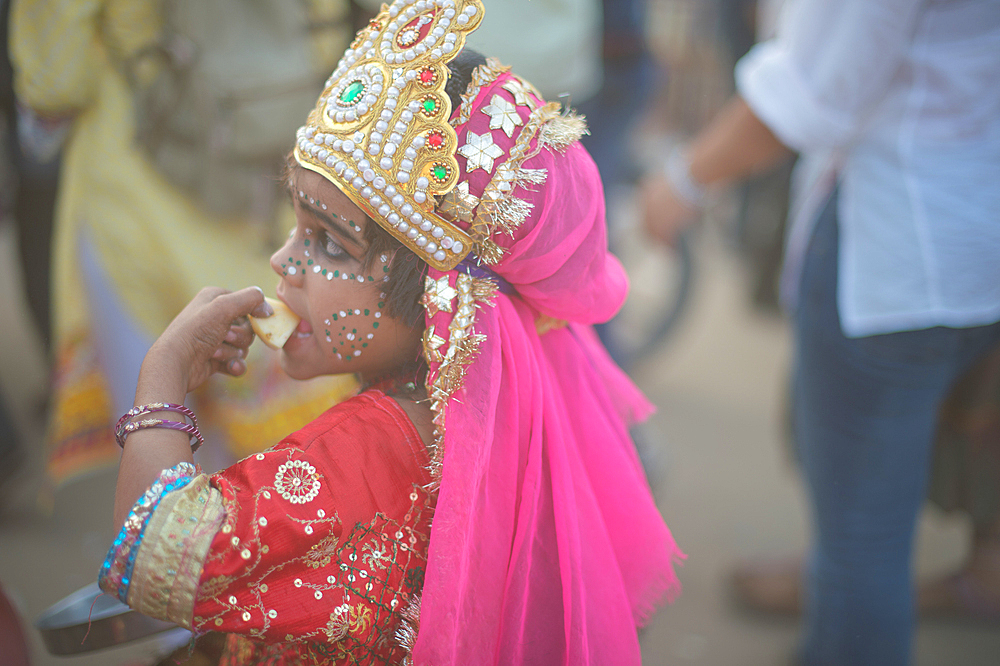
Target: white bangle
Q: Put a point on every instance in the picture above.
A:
(677, 169)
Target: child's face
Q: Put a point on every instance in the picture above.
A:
(344, 325)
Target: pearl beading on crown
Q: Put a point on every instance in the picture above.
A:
(380, 129)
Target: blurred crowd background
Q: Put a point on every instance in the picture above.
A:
(703, 332)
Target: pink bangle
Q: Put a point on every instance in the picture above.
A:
(120, 427)
(192, 431)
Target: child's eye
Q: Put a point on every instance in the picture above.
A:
(331, 247)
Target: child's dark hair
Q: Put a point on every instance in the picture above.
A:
(406, 272)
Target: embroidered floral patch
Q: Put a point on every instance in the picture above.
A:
(297, 482)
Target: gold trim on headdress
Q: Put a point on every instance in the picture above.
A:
(380, 129)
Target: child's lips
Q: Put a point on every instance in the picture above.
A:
(303, 329)
(301, 332)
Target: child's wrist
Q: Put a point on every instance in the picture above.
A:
(161, 377)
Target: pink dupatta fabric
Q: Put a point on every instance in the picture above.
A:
(546, 546)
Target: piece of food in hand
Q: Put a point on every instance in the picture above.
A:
(276, 329)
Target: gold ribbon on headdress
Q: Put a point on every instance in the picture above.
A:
(380, 129)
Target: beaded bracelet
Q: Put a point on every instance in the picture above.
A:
(120, 428)
(192, 431)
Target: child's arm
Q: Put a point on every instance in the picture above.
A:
(210, 335)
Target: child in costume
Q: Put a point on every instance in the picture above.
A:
(480, 500)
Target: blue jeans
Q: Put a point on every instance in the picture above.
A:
(865, 411)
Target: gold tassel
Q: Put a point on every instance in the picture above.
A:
(488, 252)
(559, 132)
(484, 291)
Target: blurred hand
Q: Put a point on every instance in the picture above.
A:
(664, 213)
(211, 334)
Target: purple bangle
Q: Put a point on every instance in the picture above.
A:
(196, 439)
(149, 409)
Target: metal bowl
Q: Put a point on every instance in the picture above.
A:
(89, 620)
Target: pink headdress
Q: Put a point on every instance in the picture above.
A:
(546, 545)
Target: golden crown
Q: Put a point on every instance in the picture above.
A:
(380, 129)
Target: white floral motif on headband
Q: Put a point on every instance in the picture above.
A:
(480, 151)
(503, 115)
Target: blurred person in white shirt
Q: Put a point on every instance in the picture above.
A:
(891, 269)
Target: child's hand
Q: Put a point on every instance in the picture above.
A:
(212, 334)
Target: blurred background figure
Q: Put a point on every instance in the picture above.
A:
(170, 136)
(27, 194)
(965, 479)
(891, 267)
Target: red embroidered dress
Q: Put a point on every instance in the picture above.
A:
(311, 549)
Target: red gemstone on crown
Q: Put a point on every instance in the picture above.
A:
(435, 140)
(427, 76)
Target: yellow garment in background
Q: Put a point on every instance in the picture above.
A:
(156, 246)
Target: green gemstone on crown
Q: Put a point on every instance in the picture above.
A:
(352, 93)
(429, 105)
(440, 173)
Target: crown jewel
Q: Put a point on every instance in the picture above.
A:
(380, 129)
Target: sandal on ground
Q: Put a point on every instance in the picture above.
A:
(774, 587)
(957, 597)
(770, 587)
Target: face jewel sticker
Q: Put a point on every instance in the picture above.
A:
(503, 115)
(480, 151)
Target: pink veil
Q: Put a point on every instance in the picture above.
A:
(546, 547)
